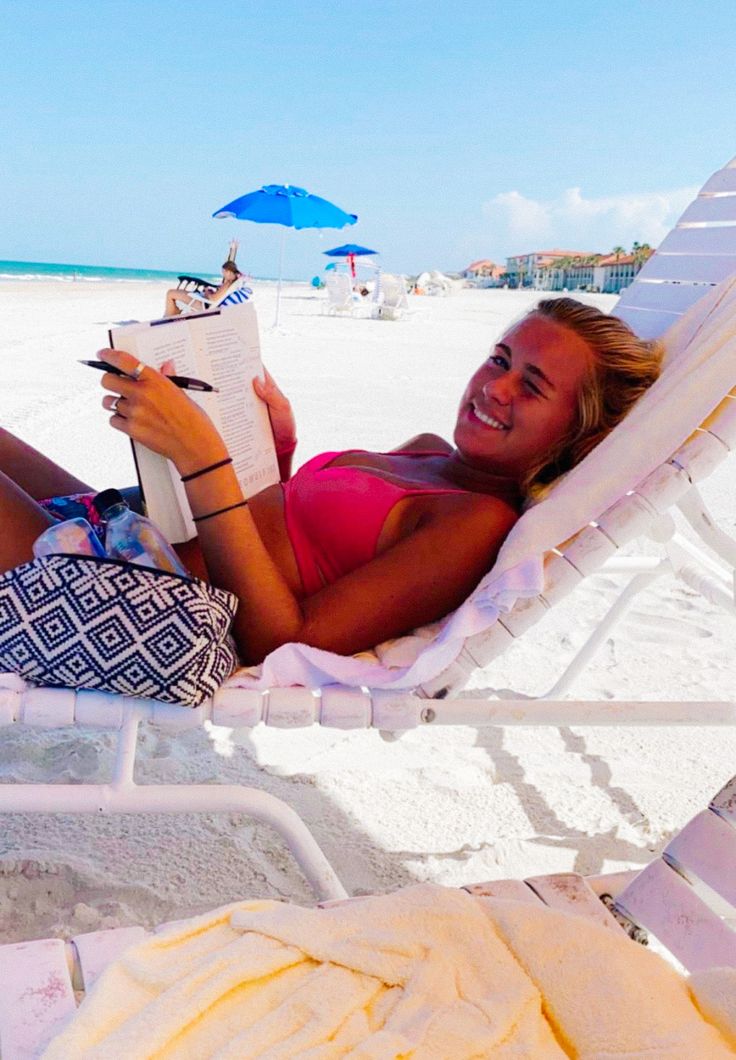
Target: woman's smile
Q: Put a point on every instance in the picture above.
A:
(488, 419)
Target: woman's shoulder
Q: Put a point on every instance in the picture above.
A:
(424, 443)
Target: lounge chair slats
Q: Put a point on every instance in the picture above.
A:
(345, 708)
(291, 708)
(666, 485)
(724, 803)
(36, 996)
(10, 702)
(660, 900)
(48, 708)
(707, 209)
(721, 182)
(689, 268)
(628, 518)
(589, 550)
(509, 890)
(568, 892)
(705, 850)
(722, 421)
(698, 241)
(96, 949)
(700, 454)
(647, 323)
(673, 297)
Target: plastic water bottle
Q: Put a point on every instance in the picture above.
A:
(132, 537)
(74, 536)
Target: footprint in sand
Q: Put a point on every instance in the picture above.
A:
(659, 629)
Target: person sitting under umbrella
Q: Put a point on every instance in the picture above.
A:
(177, 299)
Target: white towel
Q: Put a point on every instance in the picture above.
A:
(699, 370)
(429, 973)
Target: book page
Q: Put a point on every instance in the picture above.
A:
(229, 344)
(222, 348)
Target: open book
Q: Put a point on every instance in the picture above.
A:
(220, 347)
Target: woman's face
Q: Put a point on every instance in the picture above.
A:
(523, 399)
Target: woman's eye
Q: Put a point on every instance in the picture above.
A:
(500, 360)
(534, 388)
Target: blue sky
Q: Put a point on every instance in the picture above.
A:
(455, 130)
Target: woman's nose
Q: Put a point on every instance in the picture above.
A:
(502, 388)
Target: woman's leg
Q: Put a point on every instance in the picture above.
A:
(176, 298)
(21, 522)
(33, 472)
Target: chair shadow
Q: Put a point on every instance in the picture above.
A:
(151, 867)
(543, 819)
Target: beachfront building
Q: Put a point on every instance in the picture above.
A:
(616, 271)
(483, 273)
(609, 273)
(533, 270)
(476, 269)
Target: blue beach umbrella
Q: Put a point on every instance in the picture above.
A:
(284, 204)
(351, 251)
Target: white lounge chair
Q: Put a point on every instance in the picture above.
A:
(390, 301)
(342, 300)
(671, 480)
(684, 898)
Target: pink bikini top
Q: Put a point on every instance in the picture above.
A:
(334, 515)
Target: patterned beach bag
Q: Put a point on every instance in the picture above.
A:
(82, 622)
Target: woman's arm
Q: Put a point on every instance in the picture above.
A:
(424, 576)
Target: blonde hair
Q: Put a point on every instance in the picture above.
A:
(621, 369)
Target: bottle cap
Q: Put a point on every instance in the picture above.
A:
(106, 500)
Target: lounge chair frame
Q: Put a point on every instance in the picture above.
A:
(685, 898)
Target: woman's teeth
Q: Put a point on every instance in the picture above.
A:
(489, 420)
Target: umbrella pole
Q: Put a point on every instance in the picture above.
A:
(281, 270)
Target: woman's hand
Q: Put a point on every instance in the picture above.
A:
(156, 413)
(280, 412)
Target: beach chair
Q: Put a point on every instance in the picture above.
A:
(342, 300)
(425, 694)
(193, 283)
(390, 301)
(237, 292)
(685, 898)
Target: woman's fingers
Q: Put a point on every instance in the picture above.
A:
(268, 391)
(126, 362)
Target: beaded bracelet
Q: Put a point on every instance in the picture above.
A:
(220, 511)
(206, 470)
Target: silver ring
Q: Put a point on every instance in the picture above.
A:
(138, 370)
(114, 406)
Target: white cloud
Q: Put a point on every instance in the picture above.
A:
(517, 225)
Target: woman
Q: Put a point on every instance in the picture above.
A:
(360, 546)
(176, 298)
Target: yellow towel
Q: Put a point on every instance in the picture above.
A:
(428, 972)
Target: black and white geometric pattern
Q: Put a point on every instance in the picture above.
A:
(82, 622)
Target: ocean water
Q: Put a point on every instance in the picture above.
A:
(44, 270)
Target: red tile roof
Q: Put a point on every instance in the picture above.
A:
(482, 263)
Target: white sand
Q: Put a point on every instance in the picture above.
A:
(453, 805)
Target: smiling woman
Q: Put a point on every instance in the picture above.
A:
(361, 546)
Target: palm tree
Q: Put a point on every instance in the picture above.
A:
(618, 252)
(640, 253)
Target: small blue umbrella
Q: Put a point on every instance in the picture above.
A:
(284, 204)
(351, 251)
(347, 249)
